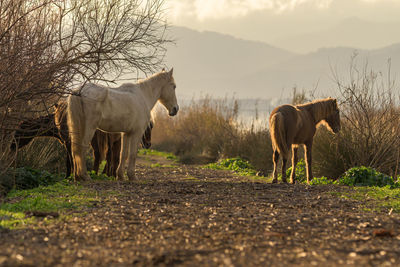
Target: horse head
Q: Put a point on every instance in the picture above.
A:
(168, 96)
(333, 120)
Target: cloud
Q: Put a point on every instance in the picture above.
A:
(216, 9)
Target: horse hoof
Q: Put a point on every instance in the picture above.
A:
(274, 181)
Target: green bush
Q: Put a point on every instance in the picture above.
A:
(301, 173)
(322, 181)
(365, 176)
(237, 164)
(26, 178)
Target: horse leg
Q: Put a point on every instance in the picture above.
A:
(89, 131)
(125, 142)
(85, 145)
(69, 161)
(275, 158)
(307, 153)
(132, 156)
(96, 152)
(107, 168)
(294, 162)
(116, 150)
(284, 160)
(78, 151)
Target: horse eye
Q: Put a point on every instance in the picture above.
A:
(174, 86)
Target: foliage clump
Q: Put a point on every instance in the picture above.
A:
(301, 173)
(365, 176)
(100, 176)
(237, 164)
(26, 178)
(322, 181)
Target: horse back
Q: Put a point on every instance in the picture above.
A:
(289, 114)
(92, 92)
(297, 124)
(124, 112)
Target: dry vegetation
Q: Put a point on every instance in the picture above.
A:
(49, 46)
(79, 41)
(206, 130)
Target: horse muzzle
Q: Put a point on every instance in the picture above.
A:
(146, 145)
(174, 111)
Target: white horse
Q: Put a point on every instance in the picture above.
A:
(125, 109)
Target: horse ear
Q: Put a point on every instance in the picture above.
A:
(163, 69)
(171, 71)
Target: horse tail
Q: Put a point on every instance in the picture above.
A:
(75, 117)
(278, 134)
(75, 122)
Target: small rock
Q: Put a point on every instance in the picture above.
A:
(382, 233)
(352, 254)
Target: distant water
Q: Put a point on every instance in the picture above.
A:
(251, 112)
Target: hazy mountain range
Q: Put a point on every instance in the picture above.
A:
(209, 63)
(350, 32)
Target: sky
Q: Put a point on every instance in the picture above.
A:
(279, 22)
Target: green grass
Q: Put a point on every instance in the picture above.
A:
(158, 165)
(237, 165)
(101, 176)
(383, 198)
(152, 152)
(54, 198)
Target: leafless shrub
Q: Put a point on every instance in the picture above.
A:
(370, 125)
(47, 46)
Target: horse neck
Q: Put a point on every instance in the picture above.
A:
(319, 113)
(151, 88)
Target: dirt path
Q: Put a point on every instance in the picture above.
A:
(188, 216)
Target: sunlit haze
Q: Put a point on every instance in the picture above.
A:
(278, 21)
(265, 48)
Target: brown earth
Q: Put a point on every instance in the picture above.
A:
(188, 216)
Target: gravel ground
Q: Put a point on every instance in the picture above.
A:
(188, 216)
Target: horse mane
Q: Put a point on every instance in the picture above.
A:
(321, 108)
(156, 76)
